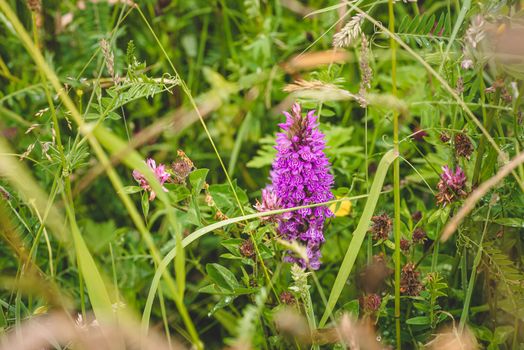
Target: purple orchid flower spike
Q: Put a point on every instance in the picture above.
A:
(300, 176)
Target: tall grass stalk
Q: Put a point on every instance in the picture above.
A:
(472, 278)
(396, 173)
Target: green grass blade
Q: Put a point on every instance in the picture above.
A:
(98, 294)
(358, 235)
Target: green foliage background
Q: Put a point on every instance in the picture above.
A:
(135, 74)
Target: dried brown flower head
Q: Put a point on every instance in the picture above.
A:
(181, 167)
(247, 249)
(416, 216)
(404, 244)
(444, 137)
(370, 303)
(419, 235)
(34, 5)
(463, 146)
(410, 280)
(381, 227)
(419, 134)
(4, 194)
(287, 298)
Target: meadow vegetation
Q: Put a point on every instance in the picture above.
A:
(261, 174)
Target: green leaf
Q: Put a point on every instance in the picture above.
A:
(501, 334)
(3, 321)
(225, 301)
(359, 234)
(99, 234)
(145, 203)
(418, 321)
(131, 189)
(435, 215)
(197, 178)
(353, 307)
(177, 192)
(222, 276)
(512, 222)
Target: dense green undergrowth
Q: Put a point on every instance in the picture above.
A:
(420, 106)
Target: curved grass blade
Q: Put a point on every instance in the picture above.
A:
(201, 232)
(359, 234)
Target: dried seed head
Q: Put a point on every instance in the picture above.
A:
(370, 303)
(31, 128)
(34, 5)
(419, 235)
(27, 151)
(463, 146)
(349, 32)
(410, 280)
(247, 249)
(460, 85)
(109, 58)
(416, 216)
(220, 216)
(365, 71)
(381, 227)
(444, 137)
(181, 167)
(419, 134)
(287, 298)
(476, 31)
(404, 244)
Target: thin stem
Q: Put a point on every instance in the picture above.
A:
(396, 173)
(471, 285)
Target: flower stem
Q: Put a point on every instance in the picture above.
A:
(471, 284)
(396, 173)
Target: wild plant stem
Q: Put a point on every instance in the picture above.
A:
(436, 244)
(488, 122)
(396, 173)
(471, 285)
